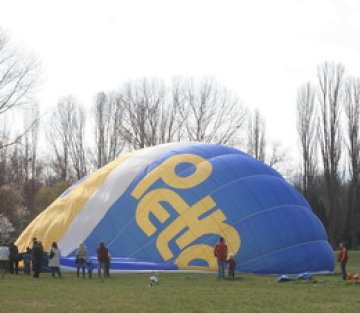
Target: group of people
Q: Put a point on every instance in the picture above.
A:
(84, 263)
(223, 258)
(9, 258)
(33, 258)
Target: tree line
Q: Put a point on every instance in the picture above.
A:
(147, 112)
(328, 113)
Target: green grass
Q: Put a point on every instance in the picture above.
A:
(181, 293)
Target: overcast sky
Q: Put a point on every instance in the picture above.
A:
(261, 50)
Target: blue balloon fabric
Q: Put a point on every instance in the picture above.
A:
(165, 208)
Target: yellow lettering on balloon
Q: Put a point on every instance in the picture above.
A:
(151, 203)
(197, 252)
(189, 219)
(167, 172)
(190, 222)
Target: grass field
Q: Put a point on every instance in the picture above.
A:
(181, 293)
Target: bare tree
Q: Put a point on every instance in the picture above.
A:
(211, 113)
(146, 112)
(59, 138)
(108, 117)
(140, 100)
(12, 160)
(256, 136)
(17, 79)
(66, 137)
(4, 151)
(100, 113)
(330, 83)
(278, 155)
(77, 142)
(307, 135)
(31, 122)
(352, 109)
(168, 118)
(150, 113)
(31, 165)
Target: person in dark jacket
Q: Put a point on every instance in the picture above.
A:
(89, 267)
(14, 259)
(103, 259)
(220, 252)
(27, 261)
(37, 255)
(107, 266)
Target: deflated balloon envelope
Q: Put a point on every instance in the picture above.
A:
(165, 207)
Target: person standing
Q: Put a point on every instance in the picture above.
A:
(342, 258)
(89, 266)
(37, 255)
(54, 259)
(220, 252)
(27, 261)
(107, 265)
(80, 259)
(232, 264)
(14, 259)
(103, 259)
(4, 259)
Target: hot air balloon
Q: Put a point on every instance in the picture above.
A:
(164, 208)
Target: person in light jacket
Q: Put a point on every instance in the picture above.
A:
(4, 258)
(80, 261)
(54, 259)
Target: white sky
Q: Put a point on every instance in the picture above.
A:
(262, 50)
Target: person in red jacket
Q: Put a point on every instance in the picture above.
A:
(342, 257)
(220, 252)
(103, 259)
